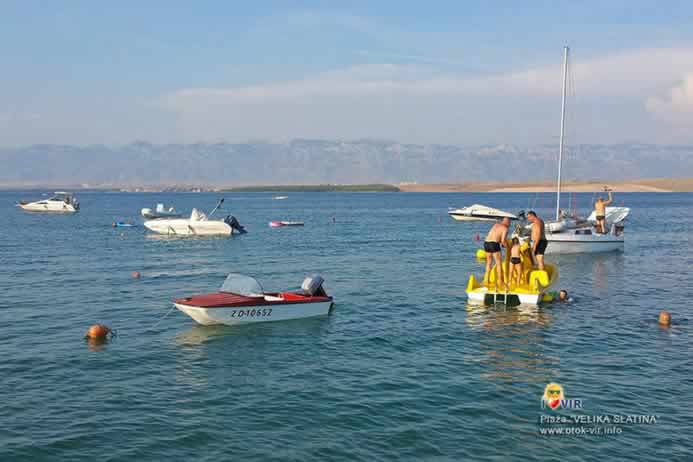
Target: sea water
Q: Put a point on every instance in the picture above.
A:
(402, 369)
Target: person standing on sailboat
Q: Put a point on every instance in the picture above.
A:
(496, 237)
(600, 209)
(539, 241)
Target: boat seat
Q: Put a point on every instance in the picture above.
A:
(292, 296)
(272, 298)
(539, 276)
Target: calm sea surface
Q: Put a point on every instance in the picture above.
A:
(402, 369)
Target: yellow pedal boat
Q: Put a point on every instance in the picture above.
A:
(533, 288)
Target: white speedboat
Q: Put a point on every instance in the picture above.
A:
(241, 300)
(280, 198)
(160, 212)
(198, 224)
(61, 202)
(478, 212)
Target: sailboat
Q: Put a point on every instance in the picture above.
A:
(568, 234)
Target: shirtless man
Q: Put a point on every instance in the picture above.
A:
(539, 241)
(496, 237)
(600, 210)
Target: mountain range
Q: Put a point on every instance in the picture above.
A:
(304, 161)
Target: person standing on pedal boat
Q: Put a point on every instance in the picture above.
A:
(496, 238)
(539, 241)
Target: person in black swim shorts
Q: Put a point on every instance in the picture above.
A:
(515, 263)
(539, 241)
(600, 210)
(492, 246)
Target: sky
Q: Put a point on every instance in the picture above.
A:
(449, 72)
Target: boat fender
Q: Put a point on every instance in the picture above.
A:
(664, 319)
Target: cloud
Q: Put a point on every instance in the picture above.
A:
(678, 101)
(421, 103)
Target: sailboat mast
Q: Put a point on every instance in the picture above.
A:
(560, 149)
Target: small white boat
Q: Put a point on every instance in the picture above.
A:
(241, 300)
(280, 198)
(279, 224)
(160, 212)
(198, 224)
(61, 202)
(478, 212)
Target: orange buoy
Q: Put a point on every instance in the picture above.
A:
(98, 332)
(664, 319)
(136, 274)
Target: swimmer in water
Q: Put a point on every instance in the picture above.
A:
(563, 296)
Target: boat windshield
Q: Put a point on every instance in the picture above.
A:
(61, 197)
(242, 285)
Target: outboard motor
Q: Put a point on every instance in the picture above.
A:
(233, 223)
(312, 286)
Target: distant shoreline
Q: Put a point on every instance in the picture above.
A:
(658, 185)
(317, 188)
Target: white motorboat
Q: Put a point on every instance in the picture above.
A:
(198, 224)
(60, 202)
(160, 212)
(573, 234)
(478, 212)
(241, 300)
(280, 198)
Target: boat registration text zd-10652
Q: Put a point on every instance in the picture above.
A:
(252, 313)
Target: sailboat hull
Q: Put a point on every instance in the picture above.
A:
(570, 243)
